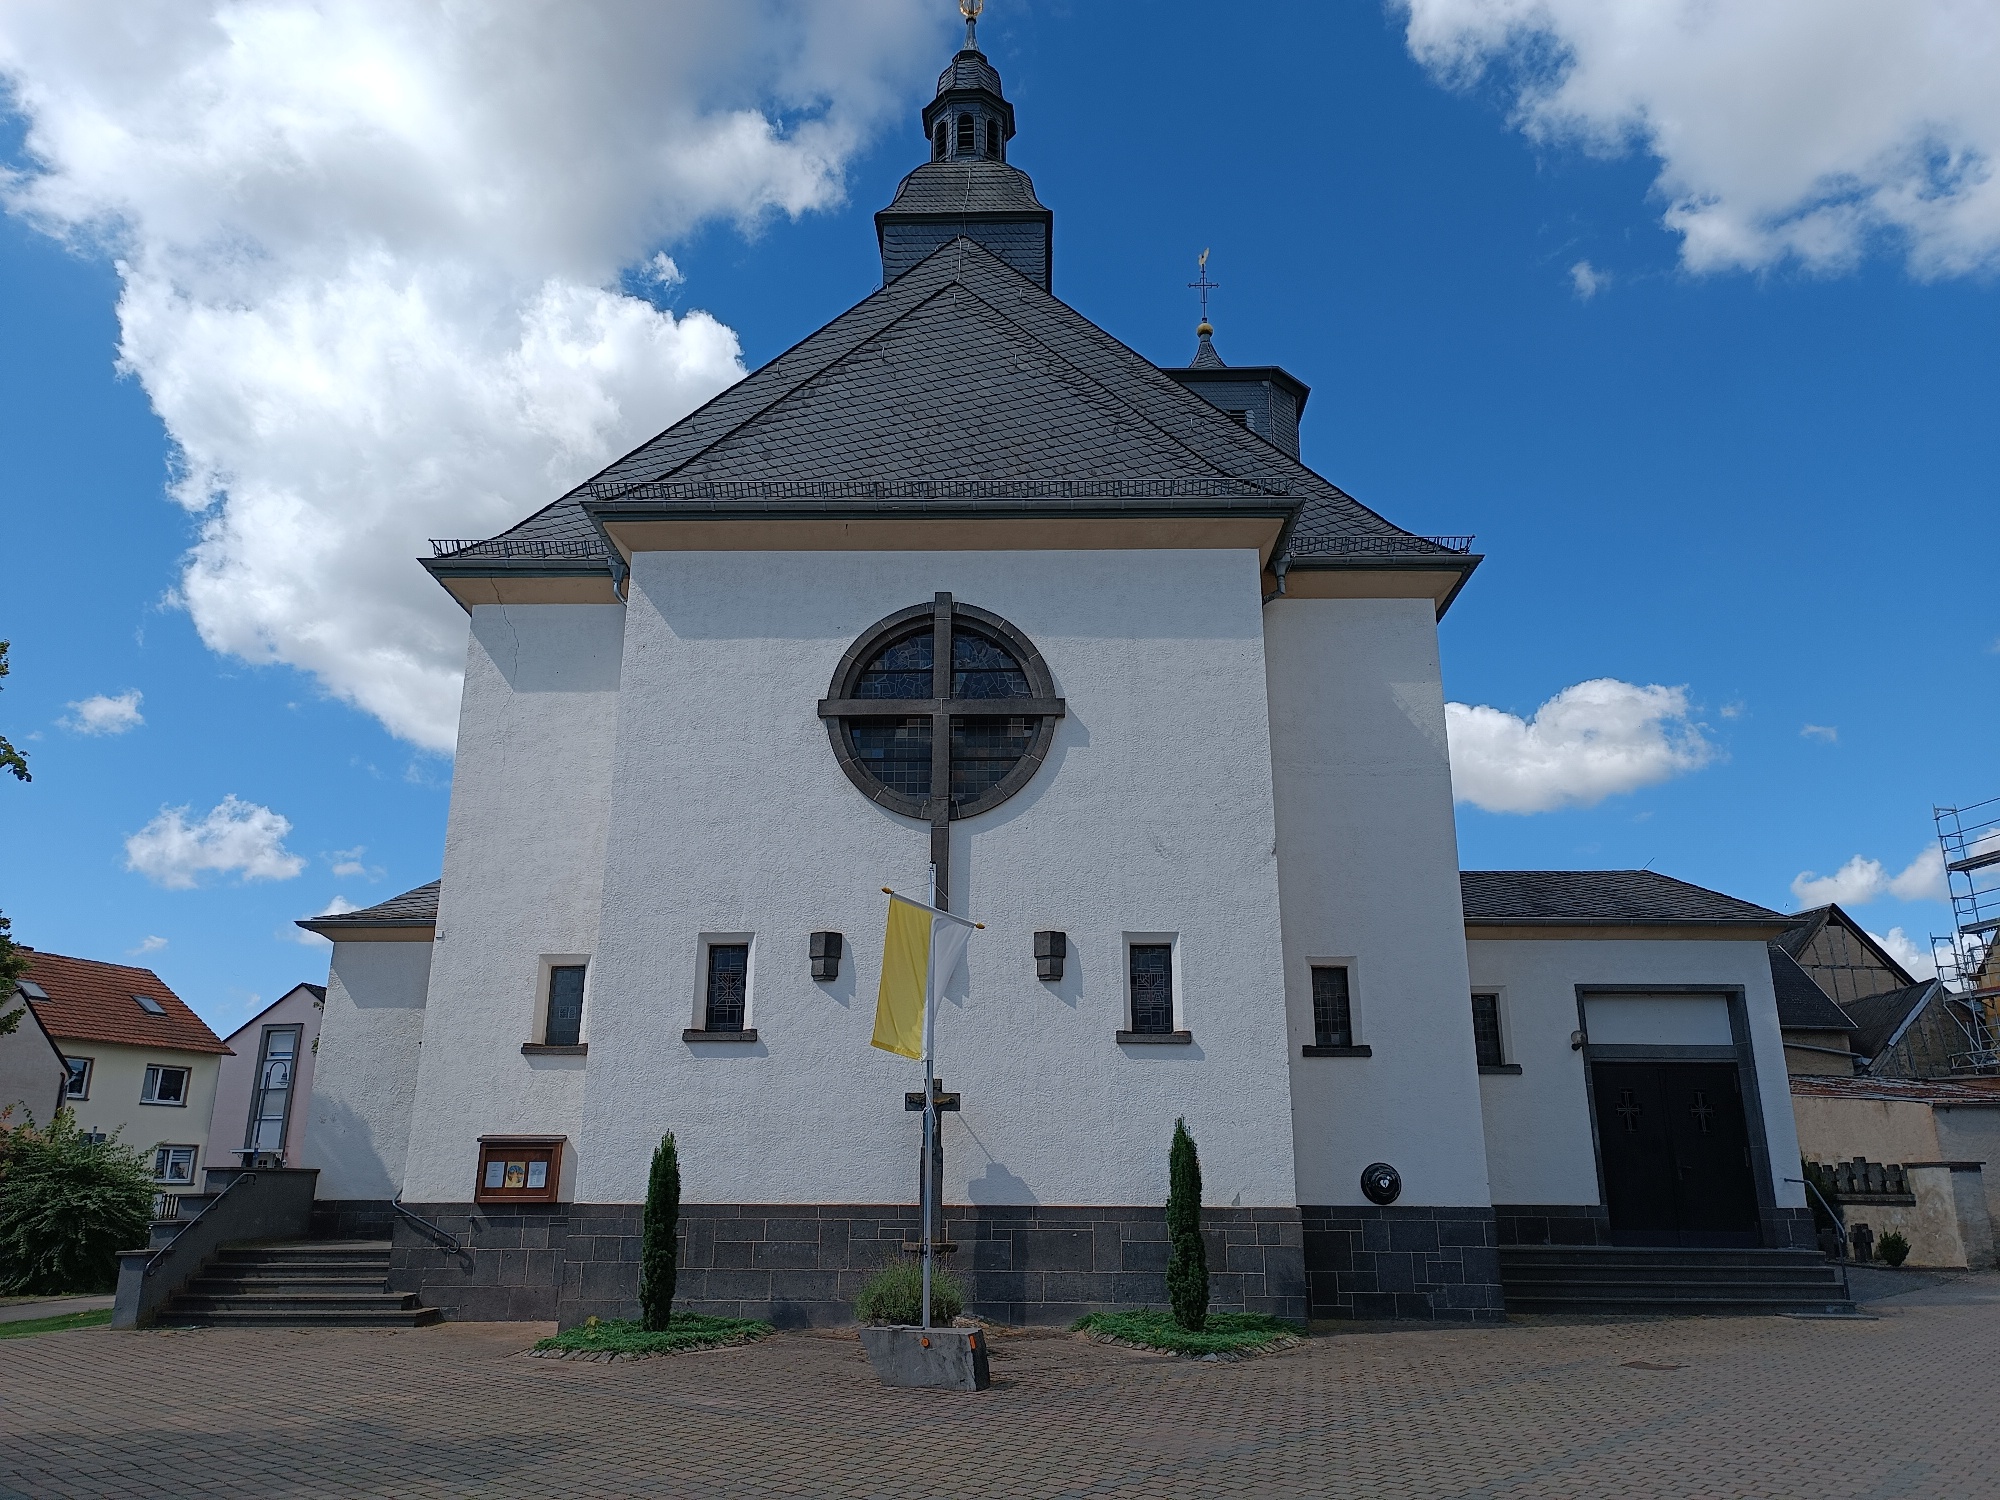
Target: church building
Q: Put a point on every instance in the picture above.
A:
(961, 585)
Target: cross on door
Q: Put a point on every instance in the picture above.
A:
(1701, 1110)
(1628, 1109)
(963, 687)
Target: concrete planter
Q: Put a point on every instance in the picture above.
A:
(952, 1359)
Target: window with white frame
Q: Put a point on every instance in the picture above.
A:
(164, 1085)
(77, 1086)
(174, 1165)
(726, 994)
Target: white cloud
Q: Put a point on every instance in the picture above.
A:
(1732, 710)
(1901, 947)
(293, 933)
(105, 715)
(1588, 280)
(1862, 880)
(371, 258)
(1783, 129)
(147, 945)
(1588, 742)
(233, 837)
(348, 866)
(1825, 733)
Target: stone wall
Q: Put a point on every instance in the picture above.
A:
(801, 1265)
(1432, 1264)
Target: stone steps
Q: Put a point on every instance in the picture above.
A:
(1621, 1279)
(298, 1284)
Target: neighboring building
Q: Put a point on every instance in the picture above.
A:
(962, 583)
(1817, 1031)
(33, 1076)
(261, 1092)
(141, 1064)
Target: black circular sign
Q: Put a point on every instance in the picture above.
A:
(1381, 1183)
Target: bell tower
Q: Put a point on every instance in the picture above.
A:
(967, 187)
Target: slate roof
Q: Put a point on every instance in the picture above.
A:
(1611, 897)
(961, 378)
(414, 908)
(969, 69)
(970, 185)
(1802, 1004)
(90, 1001)
(1877, 1018)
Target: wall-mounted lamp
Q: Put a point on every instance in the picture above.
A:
(1051, 948)
(1576, 1041)
(824, 950)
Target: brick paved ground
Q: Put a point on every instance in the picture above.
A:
(1909, 1405)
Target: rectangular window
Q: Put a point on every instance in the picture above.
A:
(1486, 1031)
(521, 1169)
(174, 1165)
(565, 1024)
(164, 1086)
(1152, 988)
(271, 1096)
(728, 986)
(78, 1086)
(1333, 1015)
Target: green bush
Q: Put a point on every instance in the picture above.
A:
(1223, 1333)
(1187, 1256)
(895, 1294)
(628, 1336)
(68, 1205)
(659, 1247)
(1892, 1248)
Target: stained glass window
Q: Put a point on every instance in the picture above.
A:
(728, 985)
(1152, 988)
(1333, 1020)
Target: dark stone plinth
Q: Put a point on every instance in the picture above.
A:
(802, 1265)
(1428, 1264)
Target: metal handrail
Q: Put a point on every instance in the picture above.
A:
(153, 1263)
(1839, 1222)
(436, 1232)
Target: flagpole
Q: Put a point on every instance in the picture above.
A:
(930, 1107)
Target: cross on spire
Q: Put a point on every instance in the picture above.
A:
(1204, 286)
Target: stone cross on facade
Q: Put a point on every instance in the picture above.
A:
(963, 689)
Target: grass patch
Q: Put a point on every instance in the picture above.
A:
(60, 1323)
(686, 1331)
(1226, 1333)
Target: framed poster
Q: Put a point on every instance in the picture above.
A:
(519, 1168)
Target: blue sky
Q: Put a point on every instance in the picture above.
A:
(1769, 484)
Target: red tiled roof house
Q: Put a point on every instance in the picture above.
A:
(140, 1062)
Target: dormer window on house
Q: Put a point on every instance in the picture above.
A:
(150, 1006)
(965, 129)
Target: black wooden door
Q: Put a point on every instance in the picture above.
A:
(1676, 1154)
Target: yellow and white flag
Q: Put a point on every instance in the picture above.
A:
(919, 955)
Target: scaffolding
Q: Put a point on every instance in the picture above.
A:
(1968, 960)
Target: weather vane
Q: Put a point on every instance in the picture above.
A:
(970, 9)
(1200, 284)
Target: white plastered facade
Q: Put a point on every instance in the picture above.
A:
(1539, 1141)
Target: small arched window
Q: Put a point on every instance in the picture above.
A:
(965, 128)
(938, 138)
(995, 140)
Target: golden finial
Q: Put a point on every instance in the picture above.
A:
(970, 9)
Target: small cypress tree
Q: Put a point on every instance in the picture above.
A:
(659, 1250)
(1187, 1257)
